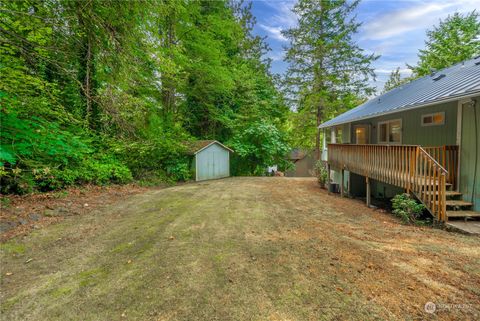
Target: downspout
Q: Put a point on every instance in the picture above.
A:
(474, 105)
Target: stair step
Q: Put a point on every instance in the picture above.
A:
(458, 203)
(463, 214)
(447, 185)
(449, 193)
(453, 193)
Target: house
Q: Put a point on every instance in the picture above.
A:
(304, 162)
(211, 159)
(421, 138)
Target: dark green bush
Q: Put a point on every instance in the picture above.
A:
(35, 142)
(179, 170)
(406, 208)
(40, 155)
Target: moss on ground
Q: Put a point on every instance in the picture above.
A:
(12, 247)
(235, 249)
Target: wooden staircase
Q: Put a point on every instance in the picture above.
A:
(429, 173)
(456, 208)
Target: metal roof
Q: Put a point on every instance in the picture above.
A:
(457, 81)
(297, 154)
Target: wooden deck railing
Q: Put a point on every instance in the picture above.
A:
(447, 156)
(407, 166)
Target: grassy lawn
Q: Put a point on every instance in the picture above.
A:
(239, 249)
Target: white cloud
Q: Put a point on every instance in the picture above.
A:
(276, 55)
(404, 71)
(401, 21)
(274, 32)
(281, 18)
(282, 14)
(418, 16)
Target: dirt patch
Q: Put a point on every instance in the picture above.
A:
(239, 249)
(22, 214)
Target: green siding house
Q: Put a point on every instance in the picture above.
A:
(422, 138)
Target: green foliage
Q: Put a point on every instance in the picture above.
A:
(107, 91)
(322, 174)
(406, 208)
(258, 146)
(455, 39)
(179, 170)
(328, 72)
(395, 80)
(36, 141)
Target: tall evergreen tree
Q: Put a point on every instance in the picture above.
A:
(326, 65)
(394, 80)
(455, 39)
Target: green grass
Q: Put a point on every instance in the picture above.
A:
(13, 247)
(235, 249)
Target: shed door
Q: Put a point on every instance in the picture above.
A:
(213, 162)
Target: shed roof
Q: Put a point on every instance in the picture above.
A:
(297, 154)
(196, 146)
(458, 81)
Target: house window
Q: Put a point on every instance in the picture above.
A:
(390, 132)
(338, 135)
(361, 134)
(433, 119)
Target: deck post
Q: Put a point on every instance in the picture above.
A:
(368, 193)
(342, 187)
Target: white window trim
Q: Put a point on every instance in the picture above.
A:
(388, 127)
(432, 124)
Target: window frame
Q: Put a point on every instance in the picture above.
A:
(432, 115)
(339, 134)
(367, 132)
(387, 122)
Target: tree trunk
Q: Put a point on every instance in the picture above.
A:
(86, 68)
(168, 89)
(317, 139)
(88, 82)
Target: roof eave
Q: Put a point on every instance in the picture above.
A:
(433, 102)
(214, 142)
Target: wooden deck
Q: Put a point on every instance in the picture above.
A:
(426, 172)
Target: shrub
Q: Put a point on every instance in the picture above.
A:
(257, 146)
(101, 172)
(16, 181)
(406, 208)
(179, 170)
(322, 173)
(35, 141)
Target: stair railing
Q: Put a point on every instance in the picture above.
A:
(447, 156)
(430, 184)
(407, 166)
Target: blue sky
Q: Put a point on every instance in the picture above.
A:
(396, 30)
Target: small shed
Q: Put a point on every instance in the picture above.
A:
(211, 159)
(304, 162)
